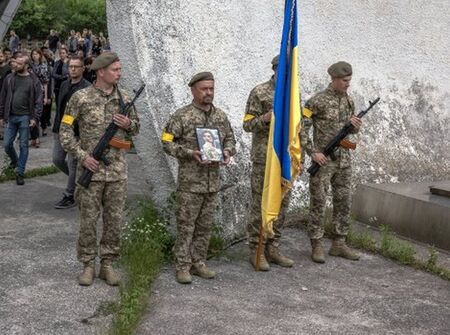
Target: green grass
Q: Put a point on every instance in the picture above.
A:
(9, 174)
(390, 247)
(146, 245)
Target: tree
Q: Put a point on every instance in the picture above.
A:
(37, 17)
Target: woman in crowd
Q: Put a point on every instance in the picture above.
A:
(60, 70)
(40, 68)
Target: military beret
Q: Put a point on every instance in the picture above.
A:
(104, 60)
(200, 77)
(276, 60)
(340, 69)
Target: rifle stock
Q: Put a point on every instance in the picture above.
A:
(99, 151)
(340, 137)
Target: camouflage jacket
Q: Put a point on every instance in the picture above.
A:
(327, 112)
(259, 103)
(93, 109)
(179, 140)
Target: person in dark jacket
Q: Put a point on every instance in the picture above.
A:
(60, 71)
(68, 88)
(20, 108)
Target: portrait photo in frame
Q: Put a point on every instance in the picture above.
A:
(208, 140)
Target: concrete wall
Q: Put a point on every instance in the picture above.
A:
(399, 50)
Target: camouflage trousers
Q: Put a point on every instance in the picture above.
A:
(195, 218)
(108, 199)
(340, 181)
(254, 217)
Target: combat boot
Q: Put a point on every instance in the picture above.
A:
(317, 254)
(87, 276)
(340, 249)
(273, 255)
(108, 274)
(200, 269)
(263, 264)
(184, 277)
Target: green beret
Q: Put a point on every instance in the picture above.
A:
(275, 60)
(340, 69)
(200, 77)
(105, 59)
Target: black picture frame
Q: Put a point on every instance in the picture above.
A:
(210, 146)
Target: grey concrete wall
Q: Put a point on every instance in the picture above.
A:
(399, 50)
(408, 209)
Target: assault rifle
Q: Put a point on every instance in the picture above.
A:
(339, 140)
(99, 151)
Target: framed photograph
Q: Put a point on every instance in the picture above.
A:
(208, 140)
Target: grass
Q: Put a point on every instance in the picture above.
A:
(390, 247)
(146, 245)
(9, 174)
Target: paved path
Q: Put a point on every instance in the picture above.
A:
(39, 293)
(372, 296)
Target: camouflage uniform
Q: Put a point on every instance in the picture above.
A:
(259, 103)
(93, 110)
(328, 111)
(197, 184)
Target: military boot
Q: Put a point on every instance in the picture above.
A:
(273, 255)
(86, 278)
(340, 249)
(200, 269)
(184, 277)
(263, 264)
(108, 274)
(317, 254)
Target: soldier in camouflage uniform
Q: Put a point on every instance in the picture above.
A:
(327, 112)
(198, 181)
(93, 109)
(257, 118)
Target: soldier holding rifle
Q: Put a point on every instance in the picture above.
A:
(93, 109)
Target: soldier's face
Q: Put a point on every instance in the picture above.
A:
(111, 74)
(203, 92)
(2, 57)
(341, 84)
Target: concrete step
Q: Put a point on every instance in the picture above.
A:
(411, 210)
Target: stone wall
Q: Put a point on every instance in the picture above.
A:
(399, 51)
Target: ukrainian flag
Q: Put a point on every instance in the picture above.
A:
(283, 149)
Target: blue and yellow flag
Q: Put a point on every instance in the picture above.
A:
(283, 149)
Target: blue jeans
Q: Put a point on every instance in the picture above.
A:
(17, 124)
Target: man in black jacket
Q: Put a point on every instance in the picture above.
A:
(20, 108)
(68, 88)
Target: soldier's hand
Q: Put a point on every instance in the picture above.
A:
(32, 123)
(356, 122)
(302, 168)
(226, 157)
(319, 158)
(91, 164)
(2, 123)
(267, 117)
(198, 157)
(122, 121)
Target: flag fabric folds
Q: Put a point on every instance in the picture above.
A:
(283, 149)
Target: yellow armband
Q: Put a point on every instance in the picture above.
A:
(248, 117)
(167, 137)
(68, 119)
(307, 112)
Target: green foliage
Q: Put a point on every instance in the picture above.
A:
(432, 260)
(362, 241)
(146, 244)
(395, 248)
(6, 173)
(216, 242)
(37, 17)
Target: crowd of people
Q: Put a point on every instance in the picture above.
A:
(32, 80)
